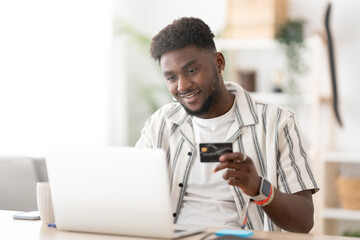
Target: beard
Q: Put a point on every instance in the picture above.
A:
(208, 101)
(205, 107)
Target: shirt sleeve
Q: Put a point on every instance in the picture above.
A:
(294, 167)
(146, 137)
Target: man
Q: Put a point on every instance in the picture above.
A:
(268, 167)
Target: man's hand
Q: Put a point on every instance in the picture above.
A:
(291, 212)
(240, 172)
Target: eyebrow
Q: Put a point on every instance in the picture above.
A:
(188, 64)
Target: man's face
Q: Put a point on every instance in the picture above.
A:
(192, 77)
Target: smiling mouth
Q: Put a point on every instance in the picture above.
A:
(188, 96)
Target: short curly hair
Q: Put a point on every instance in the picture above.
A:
(183, 32)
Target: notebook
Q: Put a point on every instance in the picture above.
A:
(113, 190)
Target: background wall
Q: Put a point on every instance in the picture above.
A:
(65, 79)
(152, 17)
(345, 23)
(54, 74)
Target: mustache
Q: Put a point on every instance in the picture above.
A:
(182, 94)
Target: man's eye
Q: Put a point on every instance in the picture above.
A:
(171, 78)
(192, 70)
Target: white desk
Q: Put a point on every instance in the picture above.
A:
(28, 229)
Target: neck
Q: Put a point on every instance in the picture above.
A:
(221, 104)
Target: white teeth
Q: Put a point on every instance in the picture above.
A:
(190, 96)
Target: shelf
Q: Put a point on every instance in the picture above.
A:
(341, 156)
(252, 44)
(246, 44)
(341, 214)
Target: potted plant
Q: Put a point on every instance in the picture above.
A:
(291, 38)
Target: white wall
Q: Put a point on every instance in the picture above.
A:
(55, 74)
(345, 23)
(153, 16)
(56, 84)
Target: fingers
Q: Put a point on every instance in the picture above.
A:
(234, 181)
(231, 160)
(229, 174)
(237, 157)
(232, 173)
(235, 178)
(239, 171)
(223, 165)
(244, 158)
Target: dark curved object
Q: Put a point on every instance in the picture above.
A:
(335, 101)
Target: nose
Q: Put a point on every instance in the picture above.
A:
(183, 84)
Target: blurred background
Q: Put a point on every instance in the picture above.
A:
(80, 73)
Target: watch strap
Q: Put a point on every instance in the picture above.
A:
(268, 200)
(261, 196)
(264, 199)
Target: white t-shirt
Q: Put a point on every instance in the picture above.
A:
(208, 200)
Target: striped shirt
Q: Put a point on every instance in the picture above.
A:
(266, 133)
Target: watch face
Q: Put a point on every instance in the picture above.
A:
(266, 188)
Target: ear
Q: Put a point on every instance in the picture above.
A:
(220, 61)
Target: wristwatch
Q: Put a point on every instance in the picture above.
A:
(266, 193)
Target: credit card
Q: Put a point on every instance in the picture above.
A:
(210, 152)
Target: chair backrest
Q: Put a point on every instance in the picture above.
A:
(18, 178)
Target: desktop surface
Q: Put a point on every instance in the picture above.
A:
(35, 229)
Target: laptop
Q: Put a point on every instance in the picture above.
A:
(113, 190)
